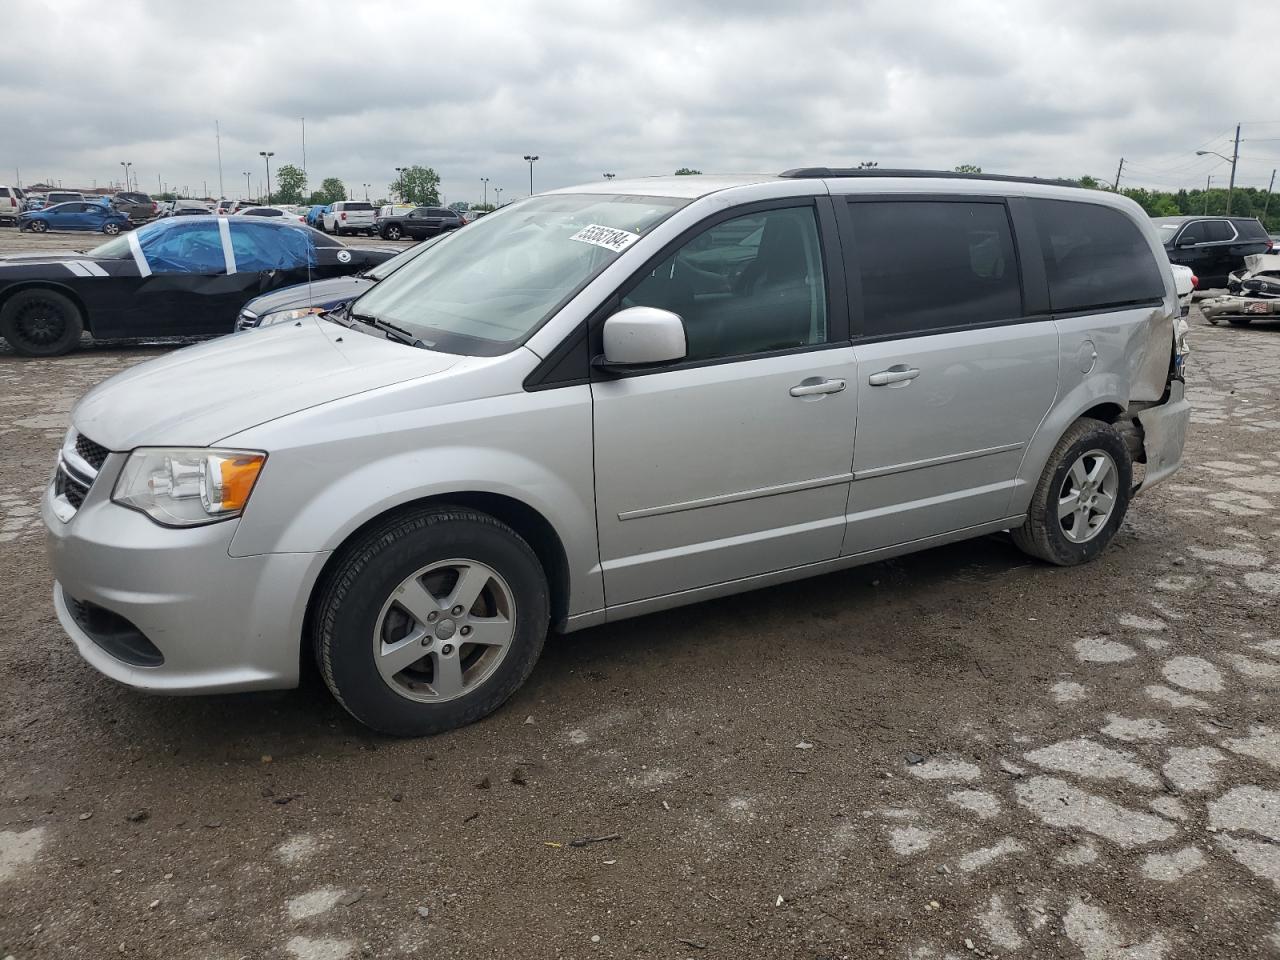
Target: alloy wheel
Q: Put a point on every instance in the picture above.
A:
(1088, 496)
(40, 322)
(444, 630)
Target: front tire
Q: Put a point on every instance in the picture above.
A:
(430, 621)
(111, 229)
(41, 323)
(38, 226)
(1081, 498)
(391, 233)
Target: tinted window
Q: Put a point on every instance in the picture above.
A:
(358, 205)
(4, 191)
(744, 286)
(1094, 256)
(1219, 231)
(1251, 229)
(927, 265)
(1193, 233)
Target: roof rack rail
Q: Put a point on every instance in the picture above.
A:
(825, 173)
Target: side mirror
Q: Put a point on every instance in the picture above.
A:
(641, 336)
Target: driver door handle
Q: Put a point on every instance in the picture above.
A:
(812, 389)
(898, 373)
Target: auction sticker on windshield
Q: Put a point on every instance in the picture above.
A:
(608, 237)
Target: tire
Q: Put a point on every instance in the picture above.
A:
(38, 226)
(412, 556)
(392, 232)
(1240, 321)
(1084, 533)
(111, 229)
(41, 323)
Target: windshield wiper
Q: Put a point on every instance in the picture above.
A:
(391, 331)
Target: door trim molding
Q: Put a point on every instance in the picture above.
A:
(756, 494)
(934, 461)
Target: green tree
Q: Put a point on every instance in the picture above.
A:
(331, 191)
(290, 182)
(688, 172)
(968, 168)
(418, 185)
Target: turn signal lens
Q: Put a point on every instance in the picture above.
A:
(238, 477)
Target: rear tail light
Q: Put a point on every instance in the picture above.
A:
(344, 215)
(1195, 282)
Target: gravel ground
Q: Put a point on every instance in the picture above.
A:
(961, 753)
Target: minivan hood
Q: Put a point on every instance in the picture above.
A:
(198, 395)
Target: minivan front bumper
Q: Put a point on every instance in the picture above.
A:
(169, 610)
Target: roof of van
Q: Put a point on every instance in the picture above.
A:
(692, 186)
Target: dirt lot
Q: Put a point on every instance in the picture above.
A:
(958, 754)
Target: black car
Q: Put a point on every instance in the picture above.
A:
(420, 223)
(177, 277)
(1213, 247)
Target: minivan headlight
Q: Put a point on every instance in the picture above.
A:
(180, 487)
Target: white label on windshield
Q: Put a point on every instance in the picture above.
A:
(608, 237)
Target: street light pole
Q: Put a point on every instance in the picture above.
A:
(1207, 180)
(485, 181)
(1267, 205)
(366, 192)
(248, 187)
(1231, 160)
(400, 181)
(531, 158)
(267, 155)
(126, 165)
(497, 199)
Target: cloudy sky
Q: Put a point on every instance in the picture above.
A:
(1038, 87)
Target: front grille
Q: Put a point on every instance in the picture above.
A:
(246, 321)
(66, 485)
(95, 454)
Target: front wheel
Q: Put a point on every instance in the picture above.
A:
(111, 229)
(1081, 498)
(41, 323)
(391, 233)
(431, 621)
(38, 226)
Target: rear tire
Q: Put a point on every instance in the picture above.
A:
(388, 598)
(41, 323)
(1073, 515)
(1240, 321)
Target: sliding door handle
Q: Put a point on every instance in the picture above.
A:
(899, 373)
(809, 389)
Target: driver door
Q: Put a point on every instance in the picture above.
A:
(184, 283)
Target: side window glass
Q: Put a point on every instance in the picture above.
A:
(1193, 233)
(1094, 257)
(1219, 231)
(748, 285)
(258, 246)
(187, 248)
(930, 265)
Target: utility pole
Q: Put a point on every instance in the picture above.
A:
(485, 181)
(267, 155)
(1267, 204)
(248, 189)
(160, 183)
(217, 132)
(1119, 170)
(1235, 156)
(497, 200)
(1207, 180)
(304, 147)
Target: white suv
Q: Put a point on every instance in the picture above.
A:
(614, 399)
(350, 216)
(11, 199)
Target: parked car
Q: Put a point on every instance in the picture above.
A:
(138, 207)
(224, 207)
(315, 215)
(62, 196)
(177, 277)
(34, 201)
(349, 216)
(1252, 293)
(552, 421)
(78, 215)
(12, 202)
(284, 212)
(320, 296)
(1213, 247)
(184, 208)
(420, 223)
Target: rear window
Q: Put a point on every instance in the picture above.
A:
(927, 265)
(1251, 229)
(357, 205)
(1094, 256)
(4, 192)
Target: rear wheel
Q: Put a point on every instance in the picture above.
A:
(431, 621)
(41, 323)
(1081, 498)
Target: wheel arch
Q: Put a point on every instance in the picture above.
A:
(9, 292)
(530, 524)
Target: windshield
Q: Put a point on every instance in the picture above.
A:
(388, 267)
(117, 248)
(1167, 230)
(497, 280)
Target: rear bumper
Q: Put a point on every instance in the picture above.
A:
(1233, 306)
(1164, 433)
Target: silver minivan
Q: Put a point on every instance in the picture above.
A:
(609, 400)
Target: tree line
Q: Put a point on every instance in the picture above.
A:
(417, 185)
